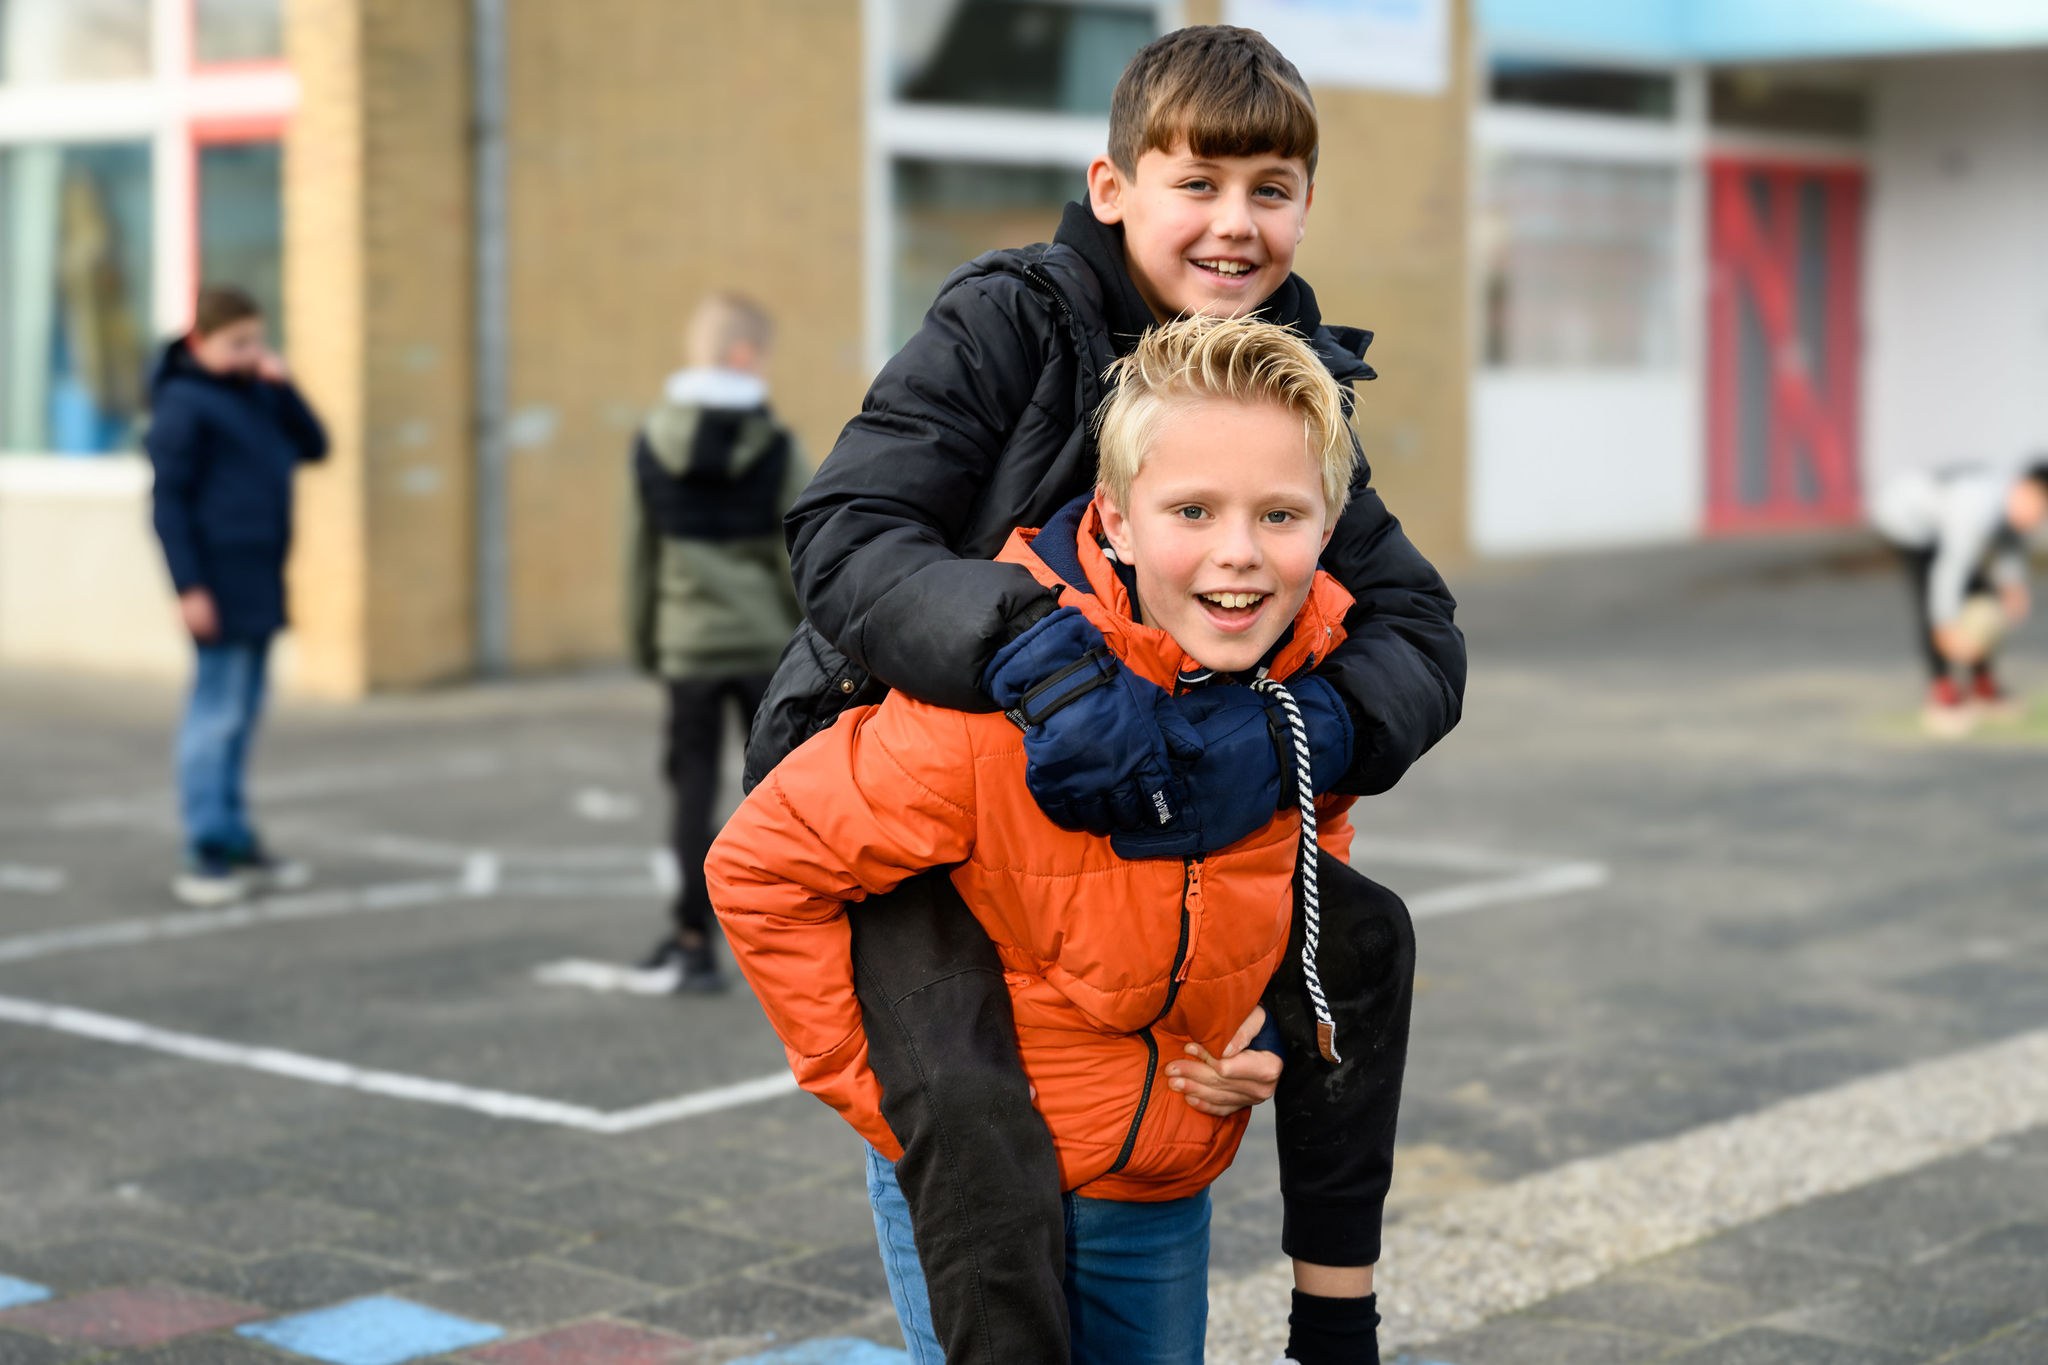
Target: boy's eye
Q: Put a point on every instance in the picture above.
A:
(1272, 191)
(1197, 185)
(1190, 513)
(1279, 516)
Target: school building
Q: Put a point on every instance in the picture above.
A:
(1641, 270)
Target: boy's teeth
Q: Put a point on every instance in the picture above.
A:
(1225, 267)
(1233, 599)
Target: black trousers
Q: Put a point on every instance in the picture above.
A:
(1919, 564)
(978, 1168)
(691, 761)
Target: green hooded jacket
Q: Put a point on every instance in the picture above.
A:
(710, 592)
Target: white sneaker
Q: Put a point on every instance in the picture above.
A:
(266, 874)
(202, 886)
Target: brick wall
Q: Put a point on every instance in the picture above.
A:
(377, 285)
(659, 149)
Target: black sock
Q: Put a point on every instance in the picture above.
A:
(1324, 1331)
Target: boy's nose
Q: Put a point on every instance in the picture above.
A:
(1233, 219)
(1237, 547)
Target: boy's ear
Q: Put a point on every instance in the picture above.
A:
(1106, 190)
(1116, 527)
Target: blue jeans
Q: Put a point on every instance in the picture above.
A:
(213, 748)
(1137, 1276)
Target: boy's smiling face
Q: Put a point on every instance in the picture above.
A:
(1224, 523)
(1211, 235)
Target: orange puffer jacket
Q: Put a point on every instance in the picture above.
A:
(1109, 962)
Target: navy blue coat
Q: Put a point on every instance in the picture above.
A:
(224, 448)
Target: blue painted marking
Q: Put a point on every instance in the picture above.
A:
(379, 1330)
(830, 1351)
(14, 1293)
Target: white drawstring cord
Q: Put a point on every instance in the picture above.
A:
(1311, 898)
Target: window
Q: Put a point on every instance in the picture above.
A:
(241, 225)
(237, 31)
(74, 296)
(116, 203)
(1015, 54)
(987, 113)
(44, 41)
(948, 212)
(1578, 260)
(1767, 101)
(1583, 89)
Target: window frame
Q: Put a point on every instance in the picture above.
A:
(901, 130)
(180, 106)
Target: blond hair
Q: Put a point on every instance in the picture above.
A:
(722, 321)
(1239, 359)
(1226, 91)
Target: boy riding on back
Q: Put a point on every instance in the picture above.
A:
(981, 424)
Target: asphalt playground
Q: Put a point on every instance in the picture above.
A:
(1731, 1043)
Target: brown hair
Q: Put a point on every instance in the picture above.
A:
(1242, 360)
(223, 305)
(1226, 90)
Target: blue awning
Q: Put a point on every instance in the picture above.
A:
(1759, 30)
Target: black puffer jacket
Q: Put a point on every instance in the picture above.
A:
(980, 425)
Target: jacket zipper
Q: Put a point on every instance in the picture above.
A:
(1190, 869)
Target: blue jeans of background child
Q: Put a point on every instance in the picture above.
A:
(1137, 1276)
(213, 748)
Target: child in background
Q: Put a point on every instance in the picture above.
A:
(710, 602)
(227, 430)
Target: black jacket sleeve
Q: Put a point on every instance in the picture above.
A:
(1401, 668)
(871, 537)
(308, 437)
(178, 455)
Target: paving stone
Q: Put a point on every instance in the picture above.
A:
(1521, 1340)
(202, 1180)
(587, 1343)
(743, 1306)
(2026, 1344)
(144, 1316)
(375, 1331)
(19, 1349)
(2026, 1241)
(673, 1255)
(269, 1225)
(603, 1205)
(853, 1271)
(208, 1350)
(1902, 1219)
(389, 1188)
(829, 1351)
(1769, 1346)
(103, 1262)
(297, 1279)
(535, 1293)
(1953, 1300)
(1686, 1309)
(806, 1217)
(451, 1241)
(1770, 1276)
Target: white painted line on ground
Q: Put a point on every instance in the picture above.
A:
(1529, 886)
(1450, 857)
(667, 877)
(298, 1066)
(374, 777)
(606, 978)
(43, 881)
(1498, 1250)
(193, 923)
(480, 873)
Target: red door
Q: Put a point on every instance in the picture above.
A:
(1784, 310)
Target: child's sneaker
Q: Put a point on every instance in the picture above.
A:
(1992, 701)
(700, 974)
(209, 881)
(1945, 716)
(265, 872)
